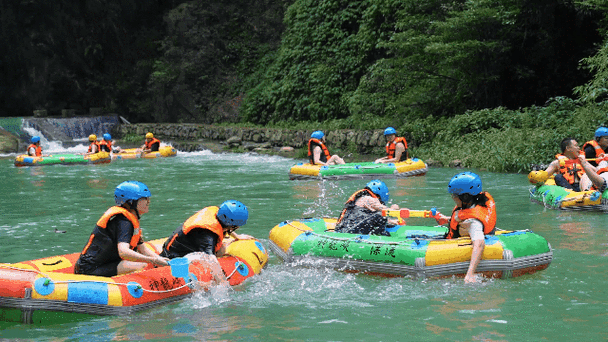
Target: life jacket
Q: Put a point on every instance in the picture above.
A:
(151, 142)
(37, 148)
(203, 219)
(350, 203)
(102, 223)
(599, 152)
(105, 145)
(94, 143)
(485, 213)
(325, 156)
(392, 145)
(568, 168)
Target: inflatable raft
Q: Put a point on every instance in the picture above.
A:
(132, 153)
(47, 290)
(407, 168)
(418, 251)
(557, 197)
(64, 159)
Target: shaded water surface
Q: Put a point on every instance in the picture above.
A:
(568, 300)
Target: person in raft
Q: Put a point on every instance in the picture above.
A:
(151, 144)
(34, 150)
(116, 245)
(106, 144)
(318, 154)
(474, 215)
(93, 145)
(362, 212)
(205, 231)
(567, 166)
(396, 147)
(598, 148)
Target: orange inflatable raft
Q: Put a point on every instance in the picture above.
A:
(47, 290)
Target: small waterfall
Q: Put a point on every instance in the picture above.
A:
(70, 129)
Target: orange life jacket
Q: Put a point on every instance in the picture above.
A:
(203, 219)
(350, 203)
(38, 150)
(151, 142)
(392, 145)
(94, 143)
(569, 167)
(325, 156)
(102, 223)
(599, 152)
(107, 144)
(485, 213)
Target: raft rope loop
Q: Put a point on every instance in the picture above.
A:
(139, 287)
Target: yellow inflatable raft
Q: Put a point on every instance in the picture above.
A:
(132, 153)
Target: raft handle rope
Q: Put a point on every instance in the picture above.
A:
(48, 280)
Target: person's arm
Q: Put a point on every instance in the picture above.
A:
(478, 247)
(591, 172)
(126, 253)
(316, 153)
(399, 150)
(474, 228)
(553, 167)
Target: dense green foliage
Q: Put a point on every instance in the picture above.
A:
(494, 84)
(408, 59)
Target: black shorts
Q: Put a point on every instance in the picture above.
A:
(105, 270)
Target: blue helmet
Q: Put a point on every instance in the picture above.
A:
(465, 183)
(232, 213)
(390, 130)
(130, 191)
(317, 135)
(35, 139)
(601, 132)
(379, 188)
(107, 137)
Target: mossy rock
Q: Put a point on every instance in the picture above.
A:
(9, 143)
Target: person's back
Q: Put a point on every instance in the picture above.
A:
(362, 212)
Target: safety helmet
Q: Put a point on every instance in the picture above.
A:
(92, 137)
(107, 137)
(379, 188)
(130, 191)
(465, 183)
(35, 139)
(232, 213)
(390, 130)
(538, 176)
(149, 135)
(601, 132)
(317, 135)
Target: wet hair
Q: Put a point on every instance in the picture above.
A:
(565, 143)
(469, 200)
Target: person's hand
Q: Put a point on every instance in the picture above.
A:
(441, 219)
(394, 207)
(470, 279)
(160, 261)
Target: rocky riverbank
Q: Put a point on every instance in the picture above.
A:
(193, 137)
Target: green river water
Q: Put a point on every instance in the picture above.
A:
(566, 301)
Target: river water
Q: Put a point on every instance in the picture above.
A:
(567, 300)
